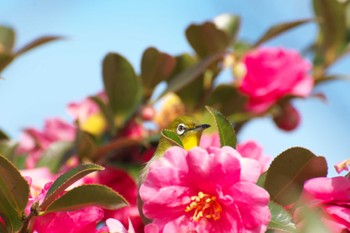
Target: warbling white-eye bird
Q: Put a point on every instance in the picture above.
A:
(189, 132)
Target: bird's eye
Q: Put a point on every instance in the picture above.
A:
(181, 128)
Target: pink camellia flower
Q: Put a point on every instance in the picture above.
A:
(332, 196)
(35, 142)
(248, 149)
(205, 190)
(272, 73)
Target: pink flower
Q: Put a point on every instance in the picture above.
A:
(342, 166)
(115, 226)
(248, 149)
(35, 142)
(251, 149)
(273, 73)
(210, 190)
(332, 195)
(121, 182)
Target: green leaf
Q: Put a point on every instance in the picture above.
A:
(5, 60)
(86, 145)
(281, 220)
(226, 131)
(88, 195)
(122, 86)
(107, 113)
(66, 180)
(7, 39)
(261, 180)
(332, 34)
(227, 99)
(14, 193)
(172, 136)
(280, 28)
(288, 172)
(184, 78)
(8, 148)
(311, 220)
(36, 43)
(155, 68)
(55, 155)
(206, 39)
(230, 24)
(3, 135)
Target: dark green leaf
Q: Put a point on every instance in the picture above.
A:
(206, 39)
(226, 131)
(288, 172)
(279, 29)
(189, 75)
(227, 99)
(281, 220)
(55, 155)
(86, 145)
(7, 39)
(3, 135)
(37, 42)
(107, 113)
(5, 59)
(66, 180)
(155, 68)
(14, 193)
(229, 24)
(172, 136)
(122, 86)
(332, 35)
(88, 195)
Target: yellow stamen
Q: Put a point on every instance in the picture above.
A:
(204, 205)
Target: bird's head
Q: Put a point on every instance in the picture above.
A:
(188, 130)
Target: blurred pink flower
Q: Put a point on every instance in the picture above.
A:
(121, 182)
(342, 166)
(272, 73)
(115, 226)
(248, 149)
(35, 142)
(332, 195)
(251, 149)
(210, 190)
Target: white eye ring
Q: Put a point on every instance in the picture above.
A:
(181, 129)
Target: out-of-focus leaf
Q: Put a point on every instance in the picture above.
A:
(7, 39)
(88, 195)
(122, 86)
(172, 136)
(332, 36)
(189, 75)
(3, 135)
(227, 99)
(155, 68)
(36, 43)
(14, 193)
(8, 149)
(55, 155)
(281, 220)
(107, 113)
(114, 145)
(288, 172)
(5, 59)
(192, 92)
(86, 145)
(279, 29)
(261, 180)
(206, 39)
(311, 221)
(340, 77)
(226, 132)
(229, 24)
(66, 180)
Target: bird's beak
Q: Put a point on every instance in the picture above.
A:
(201, 127)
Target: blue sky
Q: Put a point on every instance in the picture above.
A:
(41, 83)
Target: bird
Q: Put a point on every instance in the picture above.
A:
(189, 132)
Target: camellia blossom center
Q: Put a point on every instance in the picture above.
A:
(204, 205)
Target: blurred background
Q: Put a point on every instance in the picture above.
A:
(40, 84)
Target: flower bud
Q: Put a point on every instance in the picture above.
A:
(288, 118)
